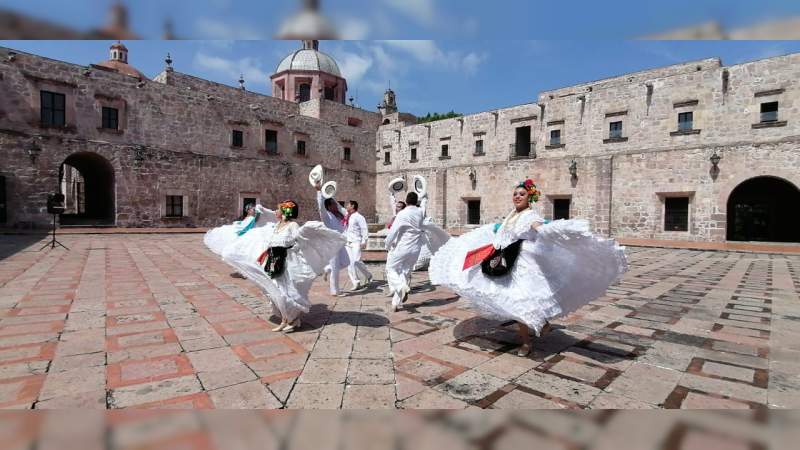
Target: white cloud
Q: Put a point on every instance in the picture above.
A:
(352, 28)
(421, 11)
(429, 53)
(230, 69)
(353, 66)
(219, 29)
(424, 51)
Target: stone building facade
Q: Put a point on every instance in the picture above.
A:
(696, 151)
(643, 148)
(173, 151)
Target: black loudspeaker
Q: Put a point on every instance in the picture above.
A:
(55, 203)
(55, 206)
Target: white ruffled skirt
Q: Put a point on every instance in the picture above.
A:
(304, 262)
(565, 268)
(218, 238)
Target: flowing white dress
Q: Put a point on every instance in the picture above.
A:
(561, 266)
(403, 244)
(433, 239)
(218, 238)
(312, 247)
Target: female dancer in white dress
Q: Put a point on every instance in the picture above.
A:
(283, 259)
(218, 238)
(528, 271)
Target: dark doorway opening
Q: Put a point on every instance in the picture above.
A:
(522, 144)
(473, 212)
(561, 208)
(87, 182)
(764, 209)
(3, 214)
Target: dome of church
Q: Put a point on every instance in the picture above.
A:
(309, 58)
(119, 61)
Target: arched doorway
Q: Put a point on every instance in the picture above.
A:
(764, 209)
(87, 182)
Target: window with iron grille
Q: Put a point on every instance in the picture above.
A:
(53, 108)
(271, 141)
(237, 138)
(110, 118)
(346, 156)
(615, 130)
(479, 147)
(676, 214)
(685, 121)
(769, 112)
(561, 208)
(445, 150)
(473, 212)
(174, 206)
(387, 158)
(413, 153)
(555, 137)
(301, 148)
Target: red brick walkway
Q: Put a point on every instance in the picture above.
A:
(154, 321)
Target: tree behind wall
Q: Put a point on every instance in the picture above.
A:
(431, 117)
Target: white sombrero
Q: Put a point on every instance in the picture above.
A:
(316, 175)
(329, 189)
(397, 185)
(420, 185)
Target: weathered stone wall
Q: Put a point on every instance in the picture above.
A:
(175, 135)
(621, 183)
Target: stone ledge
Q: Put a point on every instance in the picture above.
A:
(552, 146)
(773, 124)
(110, 130)
(479, 154)
(684, 132)
(413, 160)
(444, 157)
(769, 92)
(613, 140)
(686, 103)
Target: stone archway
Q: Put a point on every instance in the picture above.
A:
(87, 182)
(764, 208)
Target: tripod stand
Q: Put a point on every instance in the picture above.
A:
(54, 241)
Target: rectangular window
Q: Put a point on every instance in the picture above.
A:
(615, 130)
(473, 212)
(301, 148)
(237, 138)
(271, 142)
(330, 93)
(387, 157)
(248, 201)
(555, 137)
(445, 150)
(413, 153)
(685, 121)
(676, 214)
(53, 108)
(346, 155)
(561, 208)
(479, 147)
(174, 206)
(110, 118)
(769, 112)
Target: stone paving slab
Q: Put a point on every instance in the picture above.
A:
(157, 321)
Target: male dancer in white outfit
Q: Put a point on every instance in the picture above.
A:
(333, 216)
(403, 243)
(356, 234)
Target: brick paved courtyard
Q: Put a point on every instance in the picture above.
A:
(158, 321)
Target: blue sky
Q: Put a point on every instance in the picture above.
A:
(463, 75)
(417, 19)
